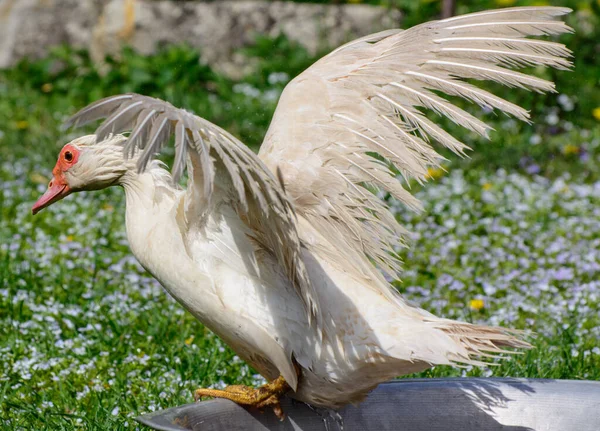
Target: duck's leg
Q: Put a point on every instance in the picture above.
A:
(264, 396)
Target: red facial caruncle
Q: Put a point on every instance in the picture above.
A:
(58, 187)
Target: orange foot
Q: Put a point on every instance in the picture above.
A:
(265, 396)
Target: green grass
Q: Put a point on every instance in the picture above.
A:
(88, 340)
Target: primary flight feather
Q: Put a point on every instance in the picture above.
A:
(283, 254)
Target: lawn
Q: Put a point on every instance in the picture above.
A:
(88, 340)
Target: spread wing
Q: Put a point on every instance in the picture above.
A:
(211, 155)
(344, 126)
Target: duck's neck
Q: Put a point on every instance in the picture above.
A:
(144, 188)
(140, 192)
(150, 197)
(156, 236)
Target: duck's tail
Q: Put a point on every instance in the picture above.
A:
(479, 344)
(434, 341)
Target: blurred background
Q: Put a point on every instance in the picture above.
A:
(229, 61)
(88, 340)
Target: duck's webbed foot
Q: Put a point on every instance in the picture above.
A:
(264, 396)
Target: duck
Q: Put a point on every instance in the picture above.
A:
(287, 254)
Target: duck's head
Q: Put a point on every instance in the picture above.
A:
(84, 164)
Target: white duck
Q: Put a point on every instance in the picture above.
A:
(277, 252)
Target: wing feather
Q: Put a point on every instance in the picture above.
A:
(126, 112)
(181, 144)
(97, 110)
(350, 122)
(139, 134)
(202, 149)
(484, 71)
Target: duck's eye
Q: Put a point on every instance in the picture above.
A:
(68, 156)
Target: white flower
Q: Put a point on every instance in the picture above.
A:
(535, 139)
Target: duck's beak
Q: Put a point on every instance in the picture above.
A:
(57, 189)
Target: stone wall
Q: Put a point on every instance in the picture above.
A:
(28, 28)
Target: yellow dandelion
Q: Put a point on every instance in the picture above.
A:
(22, 125)
(108, 207)
(189, 340)
(596, 111)
(476, 304)
(69, 238)
(47, 87)
(504, 3)
(570, 149)
(435, 173)
(487, 186)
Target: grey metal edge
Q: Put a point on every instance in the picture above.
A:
(414, 405)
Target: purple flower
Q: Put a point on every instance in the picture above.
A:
(532, 169)
(563, 274)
